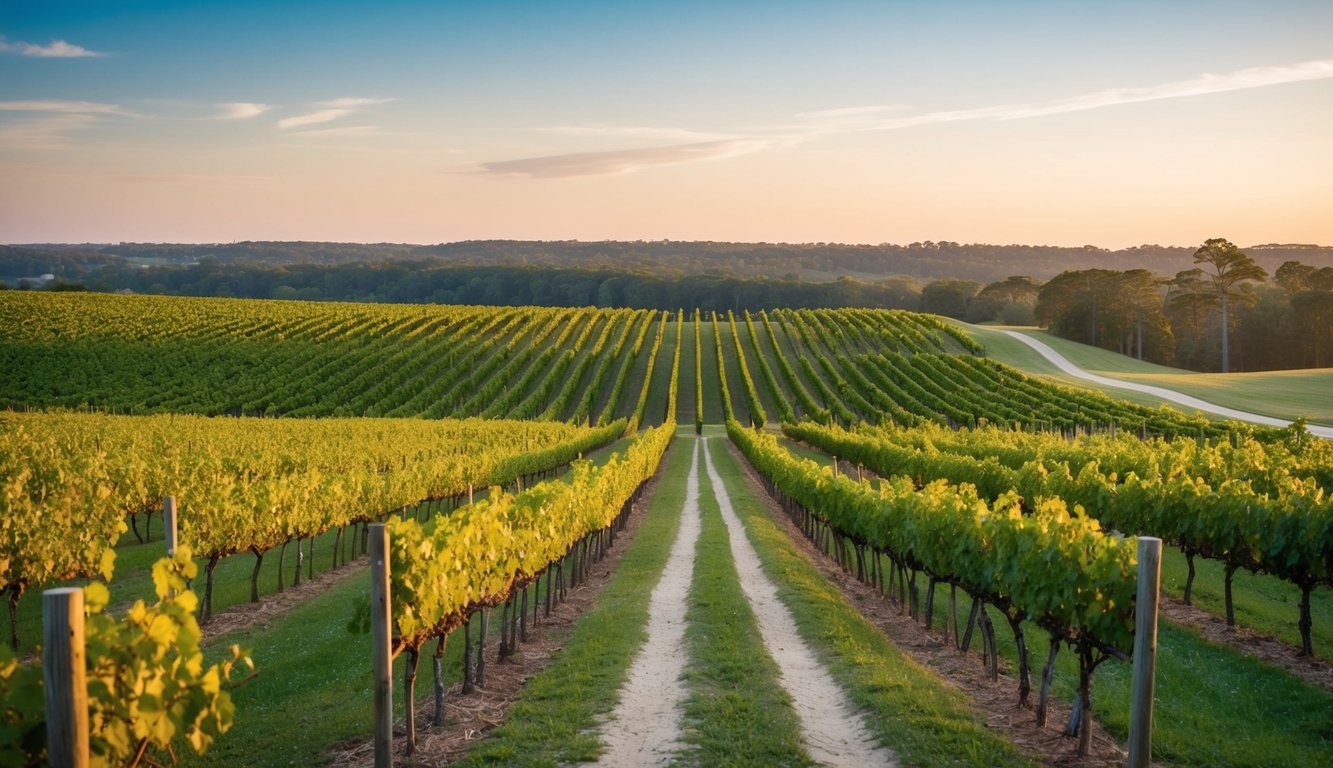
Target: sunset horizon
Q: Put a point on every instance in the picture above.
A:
(852, 123)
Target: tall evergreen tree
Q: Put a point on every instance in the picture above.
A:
(1228, 268)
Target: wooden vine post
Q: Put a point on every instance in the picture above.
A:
(169, 523)
(1145, 652)
(66, 677)
(381, 644)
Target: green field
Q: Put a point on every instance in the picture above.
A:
(1281, 394)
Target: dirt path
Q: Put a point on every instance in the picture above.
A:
(831, 729)
(645, 730)
(1063, 363)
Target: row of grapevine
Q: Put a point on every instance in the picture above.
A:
(641, 405)
(484, 554)
(645, 323)
(242, 484)
(812, 410)
(758, 416)
(1052, 566)
(131, 354)
(698, 375)
(723, 389)
(1286, 531)
(673, 389)
(785, 413)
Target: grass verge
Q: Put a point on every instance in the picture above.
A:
(1213, 705)
(1263, 603)
(133, 578)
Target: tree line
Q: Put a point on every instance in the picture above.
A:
(926, 260)
(425, 282)
(1222, 313)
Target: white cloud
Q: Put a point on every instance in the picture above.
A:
(1254, 77)
(1243, 79)
(59, 105)
(352, 102)
(322, 116)
(185, 178)
(620, 161)
(44, 124)
(57, 49)
(636, 132)
(333, 110)
(42, 132)
(241, 110)
(350, 130)
(811, 125)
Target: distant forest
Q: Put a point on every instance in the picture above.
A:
(663, 258)
(1286, 323)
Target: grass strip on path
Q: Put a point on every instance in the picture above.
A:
(554, 719)
(737, 714)
(923, 720)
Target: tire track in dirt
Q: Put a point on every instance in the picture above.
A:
(832, 729)
(645, 730)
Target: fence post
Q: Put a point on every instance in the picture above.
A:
(169, 523)
(66, 676)
(1145, 652)
(381, 627)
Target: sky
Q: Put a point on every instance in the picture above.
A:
(1059, 123)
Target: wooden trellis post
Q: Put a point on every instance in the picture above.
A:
(381, 628)
(65, 671)
(1145, 652)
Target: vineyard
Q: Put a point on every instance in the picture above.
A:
(504, 450)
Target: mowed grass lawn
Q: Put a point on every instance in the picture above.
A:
(1282, 394)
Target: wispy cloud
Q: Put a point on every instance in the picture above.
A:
(842, 120)
(46, 124)
(349, 130)
(44, 132)
(1254, 77)
(332, 110)
(352, 102)
(57, 49)
(241, 110)
(635, 132)
(621, 161)
(313, 118)
(1203, 85)
(186, 178)
(60, 105)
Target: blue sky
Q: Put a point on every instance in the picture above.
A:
(1038, 122)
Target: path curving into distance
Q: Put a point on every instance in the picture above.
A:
(1063, 363)
(831, 729)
